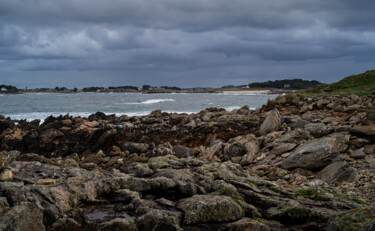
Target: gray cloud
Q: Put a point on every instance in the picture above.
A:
(185, 43)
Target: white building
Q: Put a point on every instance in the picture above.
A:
(3, 89)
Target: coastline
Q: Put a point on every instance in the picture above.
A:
(282, 162)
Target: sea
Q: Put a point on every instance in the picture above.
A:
(41, 105)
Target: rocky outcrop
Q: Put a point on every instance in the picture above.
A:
(295, 164)
(317, 153)
(271, 123)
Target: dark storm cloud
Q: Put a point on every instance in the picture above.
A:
(187, 43)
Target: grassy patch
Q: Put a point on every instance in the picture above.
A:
(361, 84)
(311, 193)
(265, 220)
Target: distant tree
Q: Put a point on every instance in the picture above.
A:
(9, 88)
(146, 87)
(291, 83)
(171, 88)
(75, 90)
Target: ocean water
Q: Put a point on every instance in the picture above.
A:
(42, 105)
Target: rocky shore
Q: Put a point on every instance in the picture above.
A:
(294, 164)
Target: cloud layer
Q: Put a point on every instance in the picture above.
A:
(184, 43)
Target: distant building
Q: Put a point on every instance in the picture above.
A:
(3, 89)
(286, 86)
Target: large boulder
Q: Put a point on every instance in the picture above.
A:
(208, 208)
(271, 123)
(7, 157)
(317, 153)
(135, 147)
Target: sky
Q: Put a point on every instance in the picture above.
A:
(185, 43)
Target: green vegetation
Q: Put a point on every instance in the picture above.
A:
(265, 220)
(286, 83)
(9, 88)
(361, 84)
(124, 88)
(311, 193)
(92, 89)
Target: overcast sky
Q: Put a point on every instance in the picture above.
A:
(186, 43)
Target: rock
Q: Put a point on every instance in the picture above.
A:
(318, 129)
(364, 130)
(69, 163)
(354, 107)
(7, 157)
(6, 174)
(358, 154)
(25, 216)
(162, 150)
(282, 148)
(119, 224)
(316, 153)
(353, 220)
(207, 208)
(271, 123)
(183, 152)
(159, 220)
(338, 172)
(132, 147)
(247, 224)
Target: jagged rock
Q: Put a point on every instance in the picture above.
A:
(271, 123)
(364, 130)
(338, 172)
(25, 216)
(316, 153)
(207, 208)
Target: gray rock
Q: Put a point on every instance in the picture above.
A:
(282, 148)
(358, 154)
(317, 153)
(119, 224)
(318, 129)
(338, 172)
(7, 157)
(271, 123)
(183, 152)
(207, 208)
(159, 220)
(135, 147)
(162, 150)
(25, 216)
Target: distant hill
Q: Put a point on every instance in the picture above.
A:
(361, 84)
(297, 84)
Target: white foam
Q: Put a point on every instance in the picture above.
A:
(153, 101)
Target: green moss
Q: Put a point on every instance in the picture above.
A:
(358, 201)
(311, 193)
(276, 190)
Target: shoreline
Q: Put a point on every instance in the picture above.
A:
(282, 162)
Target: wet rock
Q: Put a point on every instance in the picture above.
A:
(338, 172)
(271, 123)
(316, 153)
(207, 208)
